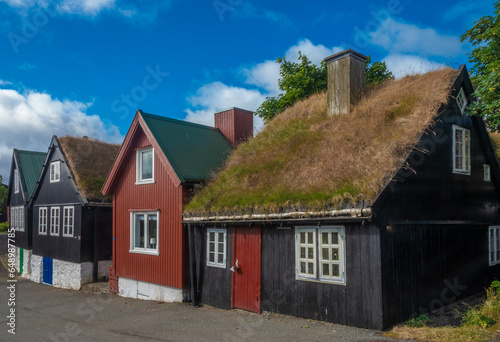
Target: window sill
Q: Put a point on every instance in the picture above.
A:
(464, 173)
(145, 182)
(216, 266)
(323, 281)
(147, 252)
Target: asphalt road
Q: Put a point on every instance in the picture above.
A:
(44, 313)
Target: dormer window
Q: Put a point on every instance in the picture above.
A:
(461, 150)
(16, 181)
(145, 166)
(461, 100)
(55, 171)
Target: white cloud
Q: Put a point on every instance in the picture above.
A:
(315, 53)
(29, 119)
(85, 7)
(401, 65)
(216, 96)
(397, 37)
(145, 10)
(265, 75)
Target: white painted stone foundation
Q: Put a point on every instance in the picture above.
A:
(36, 268)
(69, 275)
(27, 253)
(148, 291)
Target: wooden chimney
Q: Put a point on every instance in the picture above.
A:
(235, 123)
(346, 80)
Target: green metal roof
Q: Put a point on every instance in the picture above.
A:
(193, 150)
(30, 164)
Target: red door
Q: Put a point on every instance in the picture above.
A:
(246, 278)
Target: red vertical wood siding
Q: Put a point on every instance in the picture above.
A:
(235, 124)
(168, 268)
(247, 244)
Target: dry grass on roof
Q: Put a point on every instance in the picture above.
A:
(305, 159)
(90, 161)
(495, 142)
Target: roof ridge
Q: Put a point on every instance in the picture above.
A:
(178, 121)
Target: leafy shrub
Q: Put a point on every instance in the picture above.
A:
(418, 322)
(4, 227)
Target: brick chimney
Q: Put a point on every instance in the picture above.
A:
(346, 80)
(236, 124)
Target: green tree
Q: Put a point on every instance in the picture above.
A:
(485, 59)
(376, 72)
(3, 195)
(301, 79)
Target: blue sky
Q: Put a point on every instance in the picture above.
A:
(83, 67)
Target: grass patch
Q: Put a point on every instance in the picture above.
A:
(478, 323)
(306, 159)
(90, 161)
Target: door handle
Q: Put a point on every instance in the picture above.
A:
(235, 267)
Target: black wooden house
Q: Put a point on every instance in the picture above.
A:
(72, 221)
(365, 214)
(24, 172)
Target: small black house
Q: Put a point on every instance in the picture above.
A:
(72, 221)
(361, 213)
(24, 172)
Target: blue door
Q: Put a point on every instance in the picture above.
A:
(47, 271)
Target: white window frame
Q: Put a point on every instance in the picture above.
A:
(138, 168)
(55, 217)
(13, 215)
(216, 250)
(487, 173)
(317, 259)
(68, 221)
(494, 245)
(461, 100)
(16, 181)
(144, 250)
(20, 223)
(55, 171)
(42, 220)
(464, 151)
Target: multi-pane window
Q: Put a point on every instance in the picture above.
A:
(55, 171)
(16, 181)
(494, 245)
(144, 232)
(320, 254)
(487, 173)
(54, 221)
(42, 221)
(17, 218)
(68, 220)
(461, 150)
(306, 258)
(216, 247)
(461, 100)
(145, 166)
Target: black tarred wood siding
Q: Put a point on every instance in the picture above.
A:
(99, 219)
(214, 282)
(60, 194)
(428, 266)
(357, 303)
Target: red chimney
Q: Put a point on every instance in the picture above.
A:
(236, 124)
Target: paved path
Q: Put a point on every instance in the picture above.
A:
(44, 313)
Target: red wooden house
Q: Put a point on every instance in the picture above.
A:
(159, 163)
